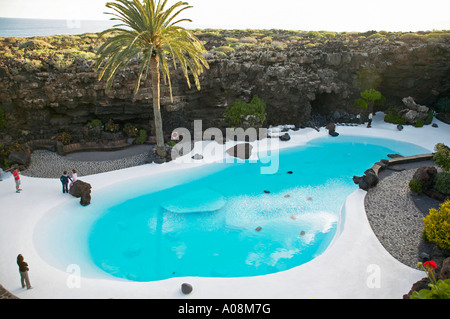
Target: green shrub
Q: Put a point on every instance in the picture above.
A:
(221, 55)
(239, 111)
(65, 138)
(111, 126)
(439, 291)
(419, 123)
(376, 36)
(437, 226)
(130, 130)
(32, 65)
(410, 36)
(62, 62)
(311, 45)
(35, 44)
(141, 138)
(267, 39)
(248, 40)
(415, 186)
(94, 123)
(231, 40)
(278, 44)
(225, 49)
(394, 118)
(442, 182)
(429, 117)
(362, 104)
(369, 98)
(442, 156)
(314, 34)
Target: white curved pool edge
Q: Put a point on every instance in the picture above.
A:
(355, 259)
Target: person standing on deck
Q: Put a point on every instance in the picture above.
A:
(23, 270)
(65, 181)
(370, 120)
(74, 177)
(16, 175)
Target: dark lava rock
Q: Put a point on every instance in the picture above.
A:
(82, 190)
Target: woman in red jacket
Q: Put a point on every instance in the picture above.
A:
(17, 180)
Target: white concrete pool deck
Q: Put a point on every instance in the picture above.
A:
(355, 266)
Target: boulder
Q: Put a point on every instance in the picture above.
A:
(331, 127)
(186, 288)
(82, 190)
(394, 155)
(367, 181)
(445, 269)
(242, 151)
(20, 157)
(413, 111)
(411, 116)
(197, 157)
(285, 137)
(426, 176)
(412, 105)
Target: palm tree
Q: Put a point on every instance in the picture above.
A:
(150, 33)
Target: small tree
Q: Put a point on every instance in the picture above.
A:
(437, 225)
(442, 156)
(150, 32)
(369, 98)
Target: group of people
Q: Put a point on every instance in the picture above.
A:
(369, 118)
(65, 180)
(23, 266)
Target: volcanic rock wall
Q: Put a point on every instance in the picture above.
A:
(295, 81)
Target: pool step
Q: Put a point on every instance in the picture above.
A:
(198, 201)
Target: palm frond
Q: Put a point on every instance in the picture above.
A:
(146, 28)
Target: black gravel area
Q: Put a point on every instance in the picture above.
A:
(395, 214)
(46, 164)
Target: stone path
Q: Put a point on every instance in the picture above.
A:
(5, 294)
(46, 164)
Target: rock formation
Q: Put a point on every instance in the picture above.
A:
(82, 190)
(426, 176)
(413, 111)
(299, 75)
(331, 127)
(367, 181)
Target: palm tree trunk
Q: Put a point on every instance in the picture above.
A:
(154, 69)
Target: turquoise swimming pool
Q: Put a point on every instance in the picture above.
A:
(234, 221)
